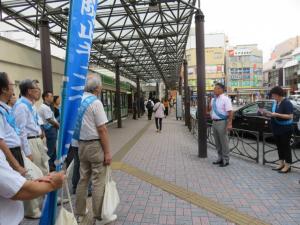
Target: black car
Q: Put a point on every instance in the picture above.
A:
(249, 117)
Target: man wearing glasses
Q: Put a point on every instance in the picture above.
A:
(27, 120)
(10, 142)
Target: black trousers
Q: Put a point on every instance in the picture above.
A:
(283, 146)
(158, 123)
(166, 111)
(150, 111)
(18, 155)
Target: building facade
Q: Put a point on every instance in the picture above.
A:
(283, 69)
(244, 68)
(215, 45)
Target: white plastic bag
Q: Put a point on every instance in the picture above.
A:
(33, 172)
(64, 216)
(111, 198)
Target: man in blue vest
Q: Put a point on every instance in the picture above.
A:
(221, 113)
(94, 150)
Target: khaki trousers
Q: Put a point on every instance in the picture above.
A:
(39, 154)
(40, 159)
(91, 159)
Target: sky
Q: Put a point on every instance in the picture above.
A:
(263, 22)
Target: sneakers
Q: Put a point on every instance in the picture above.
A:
(35, 216)
(79, 219)
(105, 221)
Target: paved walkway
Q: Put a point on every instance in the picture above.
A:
(162, 181)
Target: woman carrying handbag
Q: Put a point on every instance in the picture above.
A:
(159, 110)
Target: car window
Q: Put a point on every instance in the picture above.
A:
(268, 106)
(251, 110)
(296, 112)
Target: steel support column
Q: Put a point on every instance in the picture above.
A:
(186, 94)
(138, 96)
(201, 108)
(188, 105)
(45, 54)
(166, 93)
(157, 90)
(118, 95)
(180, 85)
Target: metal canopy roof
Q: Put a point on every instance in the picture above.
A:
(147, 37)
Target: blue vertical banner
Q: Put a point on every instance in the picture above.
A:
(80, 36)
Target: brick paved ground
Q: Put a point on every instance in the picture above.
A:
(144, 204)
(130, 127)
(172, 156)
(248, 187)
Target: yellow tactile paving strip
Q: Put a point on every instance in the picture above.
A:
(214, 207)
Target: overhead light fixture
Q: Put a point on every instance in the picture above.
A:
(132, 2)
(153, 6)
(166, 35)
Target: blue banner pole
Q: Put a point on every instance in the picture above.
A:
(80, 36)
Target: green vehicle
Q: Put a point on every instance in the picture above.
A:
(108, 97)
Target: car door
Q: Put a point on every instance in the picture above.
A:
(248, 117)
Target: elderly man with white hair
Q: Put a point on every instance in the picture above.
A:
(94, 151)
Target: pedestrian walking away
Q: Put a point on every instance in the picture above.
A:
(220, 109)
(149, 106)
(50, 127)
(282, 128)
(159, 110)
(166, 105)
(94, 151)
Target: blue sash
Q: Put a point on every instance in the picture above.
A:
(47, 126)
(280, 122)
(29, 106)
(82, 109)
(10, 119)
(214, 108)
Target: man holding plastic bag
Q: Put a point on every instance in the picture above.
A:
(94, 152)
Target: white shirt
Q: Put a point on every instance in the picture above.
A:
(46, 113)
(159, 108)
(7, 132)
(25, 120)
(11, 212)
(93, 117)
(223, 105)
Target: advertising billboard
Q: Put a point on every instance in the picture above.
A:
(214, 56)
